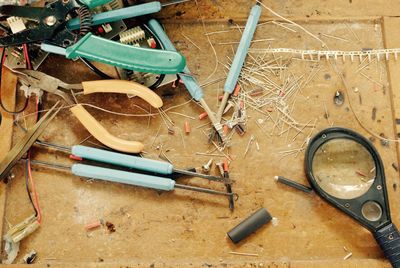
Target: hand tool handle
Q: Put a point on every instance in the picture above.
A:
(53, 49)
(126, 56)
(242, 49)
(125, 87)
(123, 160)
(388, 239)
(124, 177)
(94, 3)
(194, 89)
(119, 14)
(102, 135)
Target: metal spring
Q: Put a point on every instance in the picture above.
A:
(86, 20)
(132, 36)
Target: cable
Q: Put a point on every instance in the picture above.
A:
(27, 188)
(95, 69)
(26, 56)
(158, 42)
(1, 101)
(35, 195)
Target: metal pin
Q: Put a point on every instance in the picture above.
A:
(293, 184)
(220, 166)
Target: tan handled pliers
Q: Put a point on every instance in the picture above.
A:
(47, 83)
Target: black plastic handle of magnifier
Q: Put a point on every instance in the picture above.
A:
(388, 239)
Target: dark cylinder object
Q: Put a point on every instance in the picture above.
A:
(249, 225)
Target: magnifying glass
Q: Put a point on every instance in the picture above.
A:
(345, 169)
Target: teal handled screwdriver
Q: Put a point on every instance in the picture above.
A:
(124, 13)
(124, 177)
(240, 56)
(128, 161)
(190, 82)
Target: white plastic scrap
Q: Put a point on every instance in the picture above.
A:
(11, 249)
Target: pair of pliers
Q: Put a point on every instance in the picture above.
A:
(41, 81)
(51, 23)
(56, 86)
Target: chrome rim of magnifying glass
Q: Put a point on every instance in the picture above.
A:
(371, 208)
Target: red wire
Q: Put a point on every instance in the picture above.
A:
(33, 187)
(26, 55)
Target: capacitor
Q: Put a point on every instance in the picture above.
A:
(249, 225)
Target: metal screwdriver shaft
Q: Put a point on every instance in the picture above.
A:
(136, 179)
(128, 161)
(240, 56)
(190, 83)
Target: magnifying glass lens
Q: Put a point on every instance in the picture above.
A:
(343, 168)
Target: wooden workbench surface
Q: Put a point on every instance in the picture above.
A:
(189, 229)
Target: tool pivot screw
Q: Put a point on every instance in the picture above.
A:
(50, 20)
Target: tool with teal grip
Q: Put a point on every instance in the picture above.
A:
(240, 56)
(126, 56)
(94, 3)
(114, 175)
(126, 160)
(123, 13)
(130, 161)
(190, 82)
(51, 29)
(125, 177)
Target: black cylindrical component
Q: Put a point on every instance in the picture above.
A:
(249, 225)
(293, 184)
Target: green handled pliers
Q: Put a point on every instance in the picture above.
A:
(51, 28)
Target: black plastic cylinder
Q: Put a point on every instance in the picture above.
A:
(249, 225)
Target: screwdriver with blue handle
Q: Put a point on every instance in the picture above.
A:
(240, 56)
(190, 82)
(124, 13)
(130, 178)
(128, 161)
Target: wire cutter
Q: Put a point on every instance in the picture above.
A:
(53, 85)
(48, 25)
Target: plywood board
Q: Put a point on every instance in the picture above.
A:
(189, 229)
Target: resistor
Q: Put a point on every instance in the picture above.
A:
(132, 36)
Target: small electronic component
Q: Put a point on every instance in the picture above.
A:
(16, 24)
(132, 36)
(249, 225)
(107, 27)
(30, 257)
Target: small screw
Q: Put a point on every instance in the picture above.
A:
(206, 167)
(220, 166)
(50, 20)
(347, 205)
(324, 136)
(379, 187)
(390, 237)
